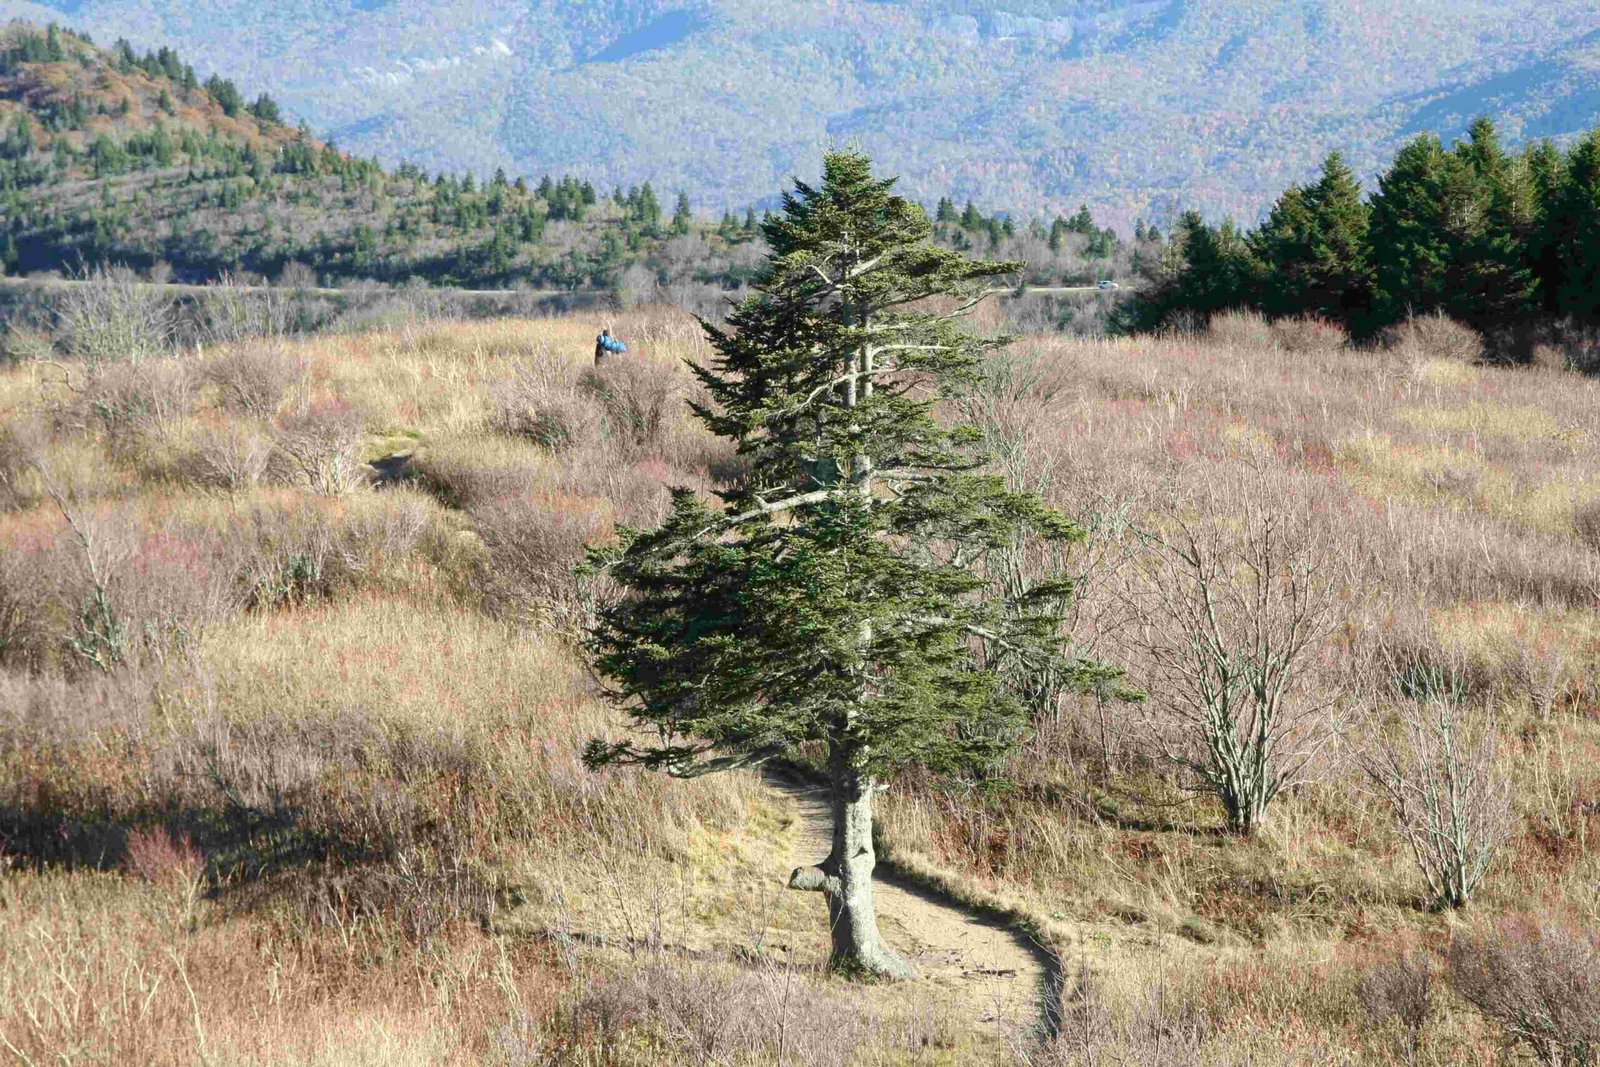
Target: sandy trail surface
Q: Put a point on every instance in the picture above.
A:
(998, 976)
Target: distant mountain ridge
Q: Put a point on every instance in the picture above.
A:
(1139, 108)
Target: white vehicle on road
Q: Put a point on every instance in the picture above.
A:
(1106, 284)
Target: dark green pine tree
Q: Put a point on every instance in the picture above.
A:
(682, 215)
(1314, 249)
(1217, 271)
(1411, 252)
(1573, 224)
(1547, 173)
(1491, 220)
(649, 208)
(831, 599)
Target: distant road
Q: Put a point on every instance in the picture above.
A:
(183, 289)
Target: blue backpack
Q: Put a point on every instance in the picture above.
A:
(611, 344)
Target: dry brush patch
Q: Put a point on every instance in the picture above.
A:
(361, 710)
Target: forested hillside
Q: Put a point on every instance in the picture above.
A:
(109, 156)
(1141, 108)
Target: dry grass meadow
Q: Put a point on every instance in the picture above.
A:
(291, 714)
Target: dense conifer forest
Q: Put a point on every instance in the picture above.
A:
(1506, 241)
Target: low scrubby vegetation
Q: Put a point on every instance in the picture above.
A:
(291, 714)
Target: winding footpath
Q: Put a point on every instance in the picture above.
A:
(997, 975)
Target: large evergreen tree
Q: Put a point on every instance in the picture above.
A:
(1547, 172)
(832, 598)
(1314, 249)
(1219, 271)
(1573, 226)
(1411, 255)
(1490, 281)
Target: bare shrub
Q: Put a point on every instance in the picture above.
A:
(1229, 625)
(320, 447)
(638, 287)
(110, 316)
(1241, 329)
(1440, 773)
(1017, 406)
(254, 379)
(20, 343)
(533, 549)
(1570, 346)
(234, 309)
(1586, 521)
(1550, 357)
(1309, 335)
(100, 635)
(112, 589)
(1160, 1026)
(641, 400)
(539, 405)
(382, 532)
(140, 404)
(297, 554)
(1437, 336)
(1539, 984)
(22, 443)
(716, 1014)
(233, 457)
(296, 275)
(293, 558)
(27, 634)
(1402, 992)
(469, 472)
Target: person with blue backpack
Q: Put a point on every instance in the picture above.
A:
(606, 345)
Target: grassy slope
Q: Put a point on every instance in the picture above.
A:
(364, 711)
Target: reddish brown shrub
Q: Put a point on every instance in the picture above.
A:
(1586, 520)
(1309, 335)
(1242, 329)
(253, 380)
(320, 447)
(1539, 984)
(136, 403)
(163, 860)
(234, 456)
(1403, 992)
(1438, 336)
(533, 548)
(642, 401)
(542, 406)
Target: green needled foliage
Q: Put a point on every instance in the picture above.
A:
(835, 597)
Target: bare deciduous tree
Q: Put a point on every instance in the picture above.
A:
(110, 316)
(1440, 773)
(1234, 611)
(1016, 405)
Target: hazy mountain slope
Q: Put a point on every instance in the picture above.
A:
(1132, 106)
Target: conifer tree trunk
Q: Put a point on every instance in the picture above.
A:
(845, 877)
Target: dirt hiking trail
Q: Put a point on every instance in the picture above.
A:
(997, 975)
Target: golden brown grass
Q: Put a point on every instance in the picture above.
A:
(363, 711)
